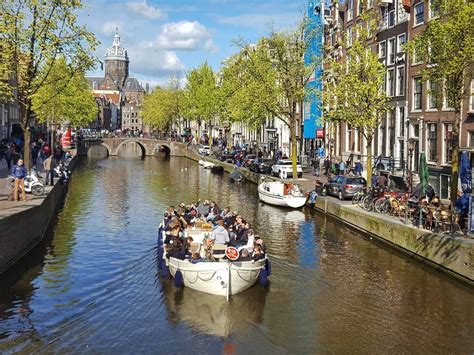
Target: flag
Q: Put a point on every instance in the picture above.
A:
(423, 172)
(465, 173)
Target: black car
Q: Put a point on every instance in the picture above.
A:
(261, 166)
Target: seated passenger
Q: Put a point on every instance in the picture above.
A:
(176, 251)
(187, 245)
(245, 256)
(250, 241)
(258, 253)
(259, 241)
(203, 208)
(220, 235)
(195, 258)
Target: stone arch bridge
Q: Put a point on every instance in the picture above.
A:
(148, 146)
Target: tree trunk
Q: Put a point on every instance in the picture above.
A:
(25, 125)
(294, 148)
(455, 156)
(369, 161)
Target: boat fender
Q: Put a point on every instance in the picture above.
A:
(178, 279)
(268, 267)
(263, 279)
(165, 271)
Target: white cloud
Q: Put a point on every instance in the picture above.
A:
(148, 59)
(145, 10)
(184, 35)
(108, 28)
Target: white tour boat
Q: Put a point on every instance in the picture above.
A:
(223, 277)
(284, 194)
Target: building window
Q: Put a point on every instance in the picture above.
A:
(402, 39)
(349, 36)
(417, 93)
(391, 51)
(471, 139)
(390, 82)
(401, 116)
(432, 141)
(448, 146)
(391, 18)
(382, 50)
(361, 6)
(350, 10)
(472, 96)
(448, 103)
(434, 8)
(419, 13)
(432, 95)
(400, 81)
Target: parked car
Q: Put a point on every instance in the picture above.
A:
(286, 165)
(249, 159)
(204, 150)
(345, 186)
(261, 166)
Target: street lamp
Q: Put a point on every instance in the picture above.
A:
(411, 148)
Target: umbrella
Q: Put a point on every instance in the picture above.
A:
(423, 172)
(465, 173)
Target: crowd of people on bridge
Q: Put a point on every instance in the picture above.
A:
(225, 228)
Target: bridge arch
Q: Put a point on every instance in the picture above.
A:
(99, 150)
(136, 141)
(163, 147)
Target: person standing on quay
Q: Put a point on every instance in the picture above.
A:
(19, 173)
(358, 168)
(48, 166)
(342, 167)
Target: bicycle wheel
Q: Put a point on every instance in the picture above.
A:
(37, 190)
(368, 203)
(378, 204)
(356, 198)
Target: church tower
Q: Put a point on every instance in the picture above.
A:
(116, 65)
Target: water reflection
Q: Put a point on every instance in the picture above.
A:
(93, 286)
(208, 314)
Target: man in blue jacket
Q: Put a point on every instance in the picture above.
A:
(19, 173)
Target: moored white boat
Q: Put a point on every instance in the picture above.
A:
(223, 278)
(282, 194)
(206, 164)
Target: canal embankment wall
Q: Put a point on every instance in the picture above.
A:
(22, 231)
(453, 255)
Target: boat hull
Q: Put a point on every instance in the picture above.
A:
(283, 201)
(213, 277)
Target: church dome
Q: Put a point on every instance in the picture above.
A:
(116, 51)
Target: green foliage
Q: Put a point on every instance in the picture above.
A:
(64, 97)
(34, 34)
(162, 107)
(269, 79)
(201, 97)
(354, 88)
(447, 45)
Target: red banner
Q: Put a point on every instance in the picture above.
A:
(66, 139)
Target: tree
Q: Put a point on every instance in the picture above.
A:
(162, 107)
(65, 98)
(34, 34)
(447, 46)
(201, 98)
(354, 88)
(270, 79)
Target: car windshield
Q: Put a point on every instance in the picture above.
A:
(285, 163)
(356, 181)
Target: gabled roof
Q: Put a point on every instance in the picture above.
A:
(132, 84)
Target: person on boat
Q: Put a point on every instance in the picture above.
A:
(213, 211)
(195, 258)
(187, 246)
(173, 231)
(176, 251)
(258, 253)
(250, 242)
(259, 241)
(245, 255)
(203, 208)
(229, 218)
(220, 235)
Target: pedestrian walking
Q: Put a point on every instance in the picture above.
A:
(34, 153)
(9, 157)
(327, 165)
(49, 164)
(19, 173)
(358, 168)
(342, 167)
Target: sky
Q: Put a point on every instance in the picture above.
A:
(164, 37)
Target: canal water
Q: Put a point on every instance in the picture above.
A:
(93, 284)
